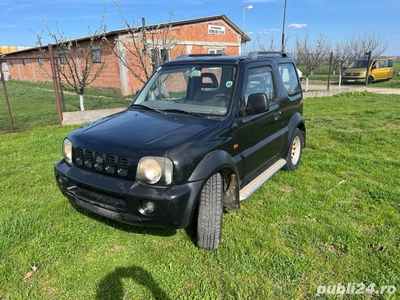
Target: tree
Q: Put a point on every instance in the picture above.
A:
(145, 48)
(338, 57)
(356, 46)
(79, 60)
(271, 47)
(312, 56)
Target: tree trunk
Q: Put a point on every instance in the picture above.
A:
(81, 102)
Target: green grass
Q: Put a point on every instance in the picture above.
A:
(33, 104)
(334, 220)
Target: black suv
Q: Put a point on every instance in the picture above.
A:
(204, 133)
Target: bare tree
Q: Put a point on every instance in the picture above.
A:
(312, 56)
(145, 48)
(79, 60)
(271, 47)
(356, 46)
(338, 57)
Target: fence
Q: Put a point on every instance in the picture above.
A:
(26, 105)
(22, 108)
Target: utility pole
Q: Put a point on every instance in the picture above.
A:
(6, 95)
(283, 28)
(369, 59)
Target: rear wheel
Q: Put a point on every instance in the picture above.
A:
(295, 150)
(209, 219)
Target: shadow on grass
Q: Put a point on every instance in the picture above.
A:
(112, 286)
(163, 232)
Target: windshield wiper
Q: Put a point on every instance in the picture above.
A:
(148, 107)
(177, 110)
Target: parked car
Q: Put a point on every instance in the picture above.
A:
(300, 74)
(379, 69)
(204, 133)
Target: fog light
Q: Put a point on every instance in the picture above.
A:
(148, 207)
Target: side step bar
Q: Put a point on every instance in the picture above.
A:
(252, 186)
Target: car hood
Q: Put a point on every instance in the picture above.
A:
(139, 130)
(355, 70)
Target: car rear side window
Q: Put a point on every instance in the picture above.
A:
(289, 78)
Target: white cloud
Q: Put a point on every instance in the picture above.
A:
(297, 25)
(268, 31)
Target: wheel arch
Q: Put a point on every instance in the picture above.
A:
(372, 78)
(297, 121)
(220, 161)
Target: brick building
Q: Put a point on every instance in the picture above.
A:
(213, 35)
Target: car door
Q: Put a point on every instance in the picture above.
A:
(260, 134)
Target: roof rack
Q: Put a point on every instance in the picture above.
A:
(255, 54)
(198, 55)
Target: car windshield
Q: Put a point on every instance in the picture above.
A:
(359, 64)
(190, 89)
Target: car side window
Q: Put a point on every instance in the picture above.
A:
(260, 80)
(289, 79)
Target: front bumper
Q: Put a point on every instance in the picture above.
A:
(123, 200)
(353, 79)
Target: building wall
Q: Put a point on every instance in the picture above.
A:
(25, 66)
(194, 38)
(191, 39)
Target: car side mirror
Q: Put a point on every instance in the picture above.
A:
(257, 103)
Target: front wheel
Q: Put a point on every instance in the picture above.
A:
(209, 219)
(295, 150)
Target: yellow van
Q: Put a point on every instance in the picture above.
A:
(380, 68)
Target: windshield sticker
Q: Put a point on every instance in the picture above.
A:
(229, 84)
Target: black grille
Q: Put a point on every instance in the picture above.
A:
(123, 166)
(88, 158)
(101, 162)
(110, 164)
(79, 156)
(99, 198)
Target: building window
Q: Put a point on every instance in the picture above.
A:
(96, 54)
(215, 51)
(63, 59)
(11, 63)
(24, 61)
(40, 61)
(158, 56)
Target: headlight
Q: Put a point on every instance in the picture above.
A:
(153, 169)
(67, 150)
(363, 73)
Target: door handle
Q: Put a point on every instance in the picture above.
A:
(277, 115)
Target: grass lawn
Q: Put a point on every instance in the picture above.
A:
(335, 220)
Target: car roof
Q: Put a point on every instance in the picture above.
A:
(213, 58)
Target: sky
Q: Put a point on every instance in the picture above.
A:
(337, 20)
